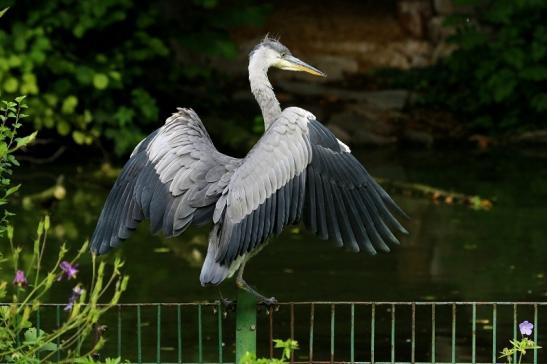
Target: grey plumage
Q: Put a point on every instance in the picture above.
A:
(166, 180)
(298, 171)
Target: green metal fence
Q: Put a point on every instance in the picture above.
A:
(328, 332)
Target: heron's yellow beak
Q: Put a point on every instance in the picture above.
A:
(290, 63)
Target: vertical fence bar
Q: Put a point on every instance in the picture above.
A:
(352, 334)
(200, 336)
(453, 333)
(139, 335)
(119, 343)
(219, 328)
(292, 330)
(332, 312)
(179, 334)
(312, 319)
(494, 332)
(372, 329)
(474, 334)
(413, 335)
(158, 333)
(433, 336)
(58, 323)
(536, 327)
(270, 317)
(392, 334)
(515, 329)
(252, 327)
(245, 324)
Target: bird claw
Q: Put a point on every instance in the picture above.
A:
(269, 303)
(228, 304)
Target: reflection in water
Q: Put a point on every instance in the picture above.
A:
(452, 253)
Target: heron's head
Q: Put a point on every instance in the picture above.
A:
(271, 53)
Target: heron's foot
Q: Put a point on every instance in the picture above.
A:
(268, 302)
(240, 283)
(228, 304)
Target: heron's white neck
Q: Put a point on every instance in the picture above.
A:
(262, 89)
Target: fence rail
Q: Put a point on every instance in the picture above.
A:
(328, 332)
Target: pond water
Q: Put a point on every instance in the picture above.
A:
(452, 253)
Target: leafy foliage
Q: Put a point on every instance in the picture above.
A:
(496, 80)
(520, 347)
(22, 342)
(106, 70)
(287, 347)
(10, 116)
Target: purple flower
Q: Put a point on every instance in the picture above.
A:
(68, 269)
(74, 297)
(20, 280)
(526, 328)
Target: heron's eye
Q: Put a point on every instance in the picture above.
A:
(283, 54)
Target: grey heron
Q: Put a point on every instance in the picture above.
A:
(297, 171)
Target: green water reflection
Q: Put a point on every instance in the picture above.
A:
(452, 253)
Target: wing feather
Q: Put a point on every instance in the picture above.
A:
(297, 169)
(171, 179)
(362, 213)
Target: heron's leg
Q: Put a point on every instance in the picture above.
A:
(226, 302)
(240, 282)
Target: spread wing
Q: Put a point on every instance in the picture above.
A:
(173, 177)
(298, 170)
(343, 202)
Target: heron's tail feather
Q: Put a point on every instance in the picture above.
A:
(212, 272)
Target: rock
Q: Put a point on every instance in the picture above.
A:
(448, 7)
(420, 137)
(366, 125)
(532, 137)
(335, 66)
(438, 32)
(414, 16)
(416, 52)
(444, 7)
(443, 50)
(367, 55)
(387, 99)
(340, 133)
(382, 100)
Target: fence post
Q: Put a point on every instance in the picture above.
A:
(245, 324)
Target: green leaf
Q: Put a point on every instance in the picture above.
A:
(63, 128)
(3, 149)
(539, 102)
(502, 84)
(2, 12)
(11, 85)
(537, 73)
(116, 76)
(49, 347)
(78, 137)
(31, 335)
(12, 190)
(113, 360)
(24, 141)
(100, 81)
(69, 104)
(20, 99)
(145, 103)
(208, 4)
